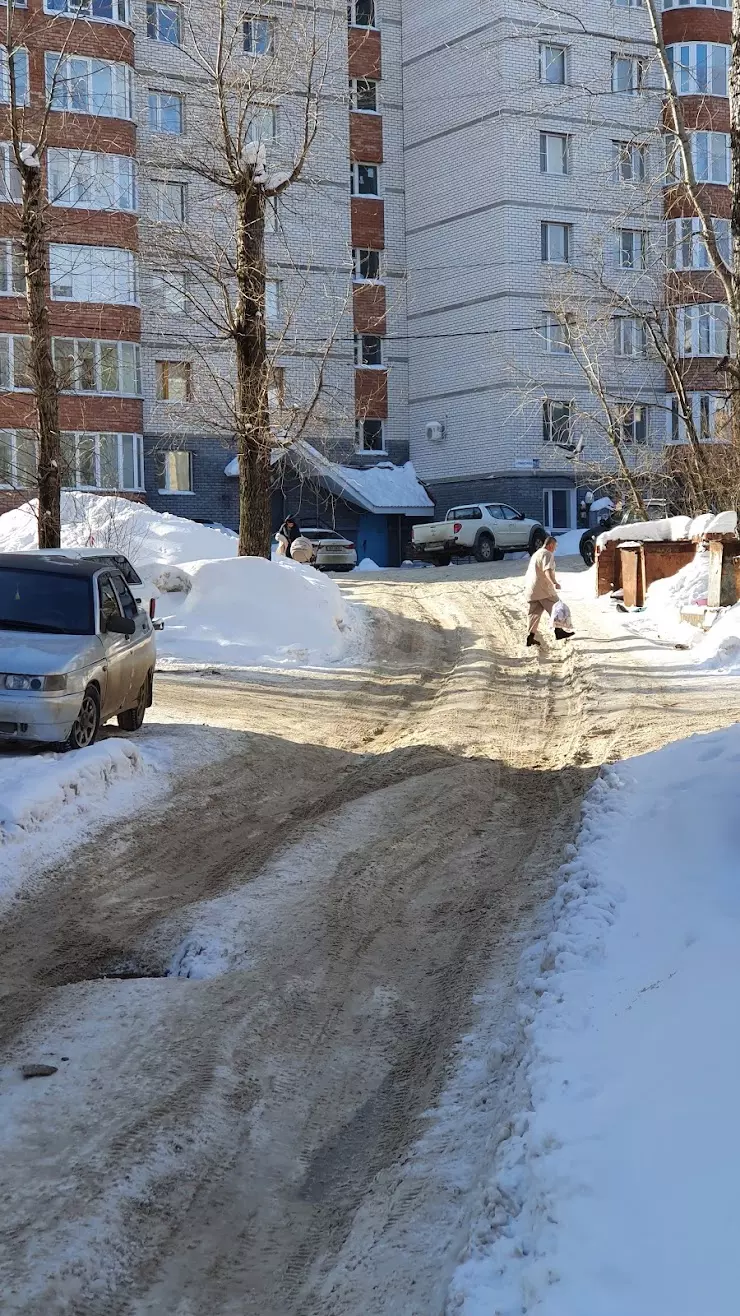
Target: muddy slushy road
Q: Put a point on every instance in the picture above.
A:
(376, 843)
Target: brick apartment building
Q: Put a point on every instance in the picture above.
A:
(427, 239)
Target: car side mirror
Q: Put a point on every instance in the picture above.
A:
(520, 516)
(120, 626)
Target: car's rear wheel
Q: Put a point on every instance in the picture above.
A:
(536, 540)
(485, 549)
(87, 723)
(588, 549)
(442, 560)
(132, 718)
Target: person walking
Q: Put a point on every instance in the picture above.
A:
(541, 593)
(287, 535)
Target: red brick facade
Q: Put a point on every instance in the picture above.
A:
(366, 137)
(371, 393)
(364, 53)
(368, 300)
(696, 25)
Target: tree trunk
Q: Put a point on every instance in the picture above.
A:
(36, 254)
(733, 373)
(252, 377)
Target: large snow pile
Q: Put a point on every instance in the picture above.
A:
(248, 611)
(674, 528)
(145, 536)
(689, 586)
(719, 651)
(615, 1191)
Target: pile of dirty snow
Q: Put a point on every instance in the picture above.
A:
(247, 611)
(147, 538)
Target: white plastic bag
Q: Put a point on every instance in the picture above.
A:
(561, 616)
(302, 550)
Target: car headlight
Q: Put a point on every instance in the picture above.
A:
(13, 681)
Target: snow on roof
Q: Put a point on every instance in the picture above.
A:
(384, 488)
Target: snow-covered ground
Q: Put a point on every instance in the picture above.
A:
(614, 1191)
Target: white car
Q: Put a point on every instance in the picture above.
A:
(144, 592)
(485, 531)
(333, 551)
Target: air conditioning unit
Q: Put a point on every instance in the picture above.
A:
(436, 432)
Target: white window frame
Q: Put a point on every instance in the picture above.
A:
(86, 437)
(7, 363)
(158, 94)
(706, 410)
(355, 168)
(13, 262)
(358, 276)
(76, 263)
(10, 179)
(262, 117)
(60, 79)
(544, 62)
(688, 74)
(708, 321)
(633, 419)
(630, 151)
(706, 4)
(87, 170)
(252, 48)
(121, 346)
(352, 14)
(353, 95)
(684, 240)
(360, 422)
(634, 240)
(157, 6)
(18, 476)
(561, 143)
(164, 282)
(630, 338)
(86, 9)
(546, 226)
(160, 191)
(628, 4)
(707, 148)
(20, 59)
(636, 78)
(189, 380)
(360, 352)
(165, 487)
(557, 335)
(550, 427)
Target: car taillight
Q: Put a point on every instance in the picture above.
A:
(152, 608)
(457, 527)
(349, 545)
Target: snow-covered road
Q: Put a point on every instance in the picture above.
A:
(350, 888)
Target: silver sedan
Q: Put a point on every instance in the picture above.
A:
(75, 650)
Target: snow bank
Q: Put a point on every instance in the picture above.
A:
(248, 611)
(569, 543)
(689, 586)
(145, 536)
(615, 1193)
(674, 528)
(367, 564)
(719, 651)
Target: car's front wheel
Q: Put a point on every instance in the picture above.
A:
(132, 718)
(588, 549)
(87, 722)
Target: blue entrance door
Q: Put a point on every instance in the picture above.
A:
(372, 538)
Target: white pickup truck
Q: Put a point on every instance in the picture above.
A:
(485, 531)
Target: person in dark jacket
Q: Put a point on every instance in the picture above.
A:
(287, 535)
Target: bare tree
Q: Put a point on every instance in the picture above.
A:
(244, 69)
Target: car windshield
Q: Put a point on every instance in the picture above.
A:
(45, 601)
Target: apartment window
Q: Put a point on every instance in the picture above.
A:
(557, 421)
(258, 36)
(710, 154)
(102, 11)
(166, 112)
(93, 274)
(169, 291)
(89, 86)
(554, 153)
(361, 13)
(365, 180)
(86, 365)
(711, 4)
(90, 180)
(558, 334)
(262, 125)
(628, 4)
(10, 179)
(700, 68)
(102, 461)
(366, 264)
(169, 201)
(174, 381)
(15, 362)
(363, 94)
(627, 73)
(164, 22)
(18, 459)
(632, 249)
(368, 350)
(552, 65)
(630, 162)
(686, 248)
(20, 67)
(703, 329)
(708, 413)
(630, 336)
(556, 243)
(369, 435)
(12, 269)
(175, 472)
(633, 425)
(272, 301)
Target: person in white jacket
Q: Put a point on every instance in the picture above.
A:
(541, 592)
